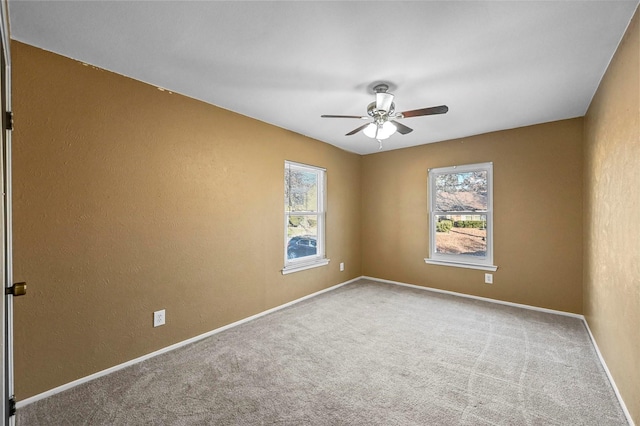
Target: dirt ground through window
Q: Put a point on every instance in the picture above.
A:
(470, 241)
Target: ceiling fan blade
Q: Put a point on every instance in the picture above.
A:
(354, 131)
(345, 116)
(442, 109)
(402, 129)
(383, 101)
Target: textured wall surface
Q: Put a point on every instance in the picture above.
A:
(128, 199)
(537, 186)
(612, 218)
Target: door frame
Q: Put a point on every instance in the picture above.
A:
(6, 309)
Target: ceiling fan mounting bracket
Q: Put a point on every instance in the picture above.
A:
(381, 88)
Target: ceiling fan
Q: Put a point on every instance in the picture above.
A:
(382, 111)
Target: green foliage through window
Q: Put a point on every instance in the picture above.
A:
(444, 225)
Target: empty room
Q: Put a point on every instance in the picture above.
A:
(321, 213)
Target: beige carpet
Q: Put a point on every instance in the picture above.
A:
(365, 354)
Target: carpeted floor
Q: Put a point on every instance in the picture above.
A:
(364, 354)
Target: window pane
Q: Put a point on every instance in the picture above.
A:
(466, 191)
(461, 234)
(302, 236)
(301, 190)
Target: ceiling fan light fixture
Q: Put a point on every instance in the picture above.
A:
(386, 130)
(371, 130)
(380, 131)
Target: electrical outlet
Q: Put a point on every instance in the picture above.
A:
(341, 266)
(158, 318)
(488, 278)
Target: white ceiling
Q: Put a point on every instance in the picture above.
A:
(496, 64)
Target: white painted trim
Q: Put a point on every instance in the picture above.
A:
(461, 265)
(485, 299)
(320, 259)
(606, 370)
(67, 386)
(51, 392)
(304, 166)
(460, 259)
(302, 267)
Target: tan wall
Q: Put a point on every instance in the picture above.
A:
(128, 200)
(612, 218)
(537, 215)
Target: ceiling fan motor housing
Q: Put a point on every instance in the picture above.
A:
(376, 113)
(383, 107)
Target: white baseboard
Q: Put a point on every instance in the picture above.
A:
(485, 299)
(535, 308)
(606, 370)
(115, 368)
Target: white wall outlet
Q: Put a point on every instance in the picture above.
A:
(488, 278)
(341, 266)
(158, 318)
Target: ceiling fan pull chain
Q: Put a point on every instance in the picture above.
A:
(380, 144)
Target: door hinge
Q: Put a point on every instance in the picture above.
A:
(12, 406)
(8, 116)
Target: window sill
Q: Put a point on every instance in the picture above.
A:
(289, 269)
(492, 268)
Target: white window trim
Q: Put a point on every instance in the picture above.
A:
(461, 265)
(304, 266)
(320, 259)
(461, 261)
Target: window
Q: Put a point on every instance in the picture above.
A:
(304, 217)
(461, 216)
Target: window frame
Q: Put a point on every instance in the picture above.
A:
(460, 260)
(320, 259)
